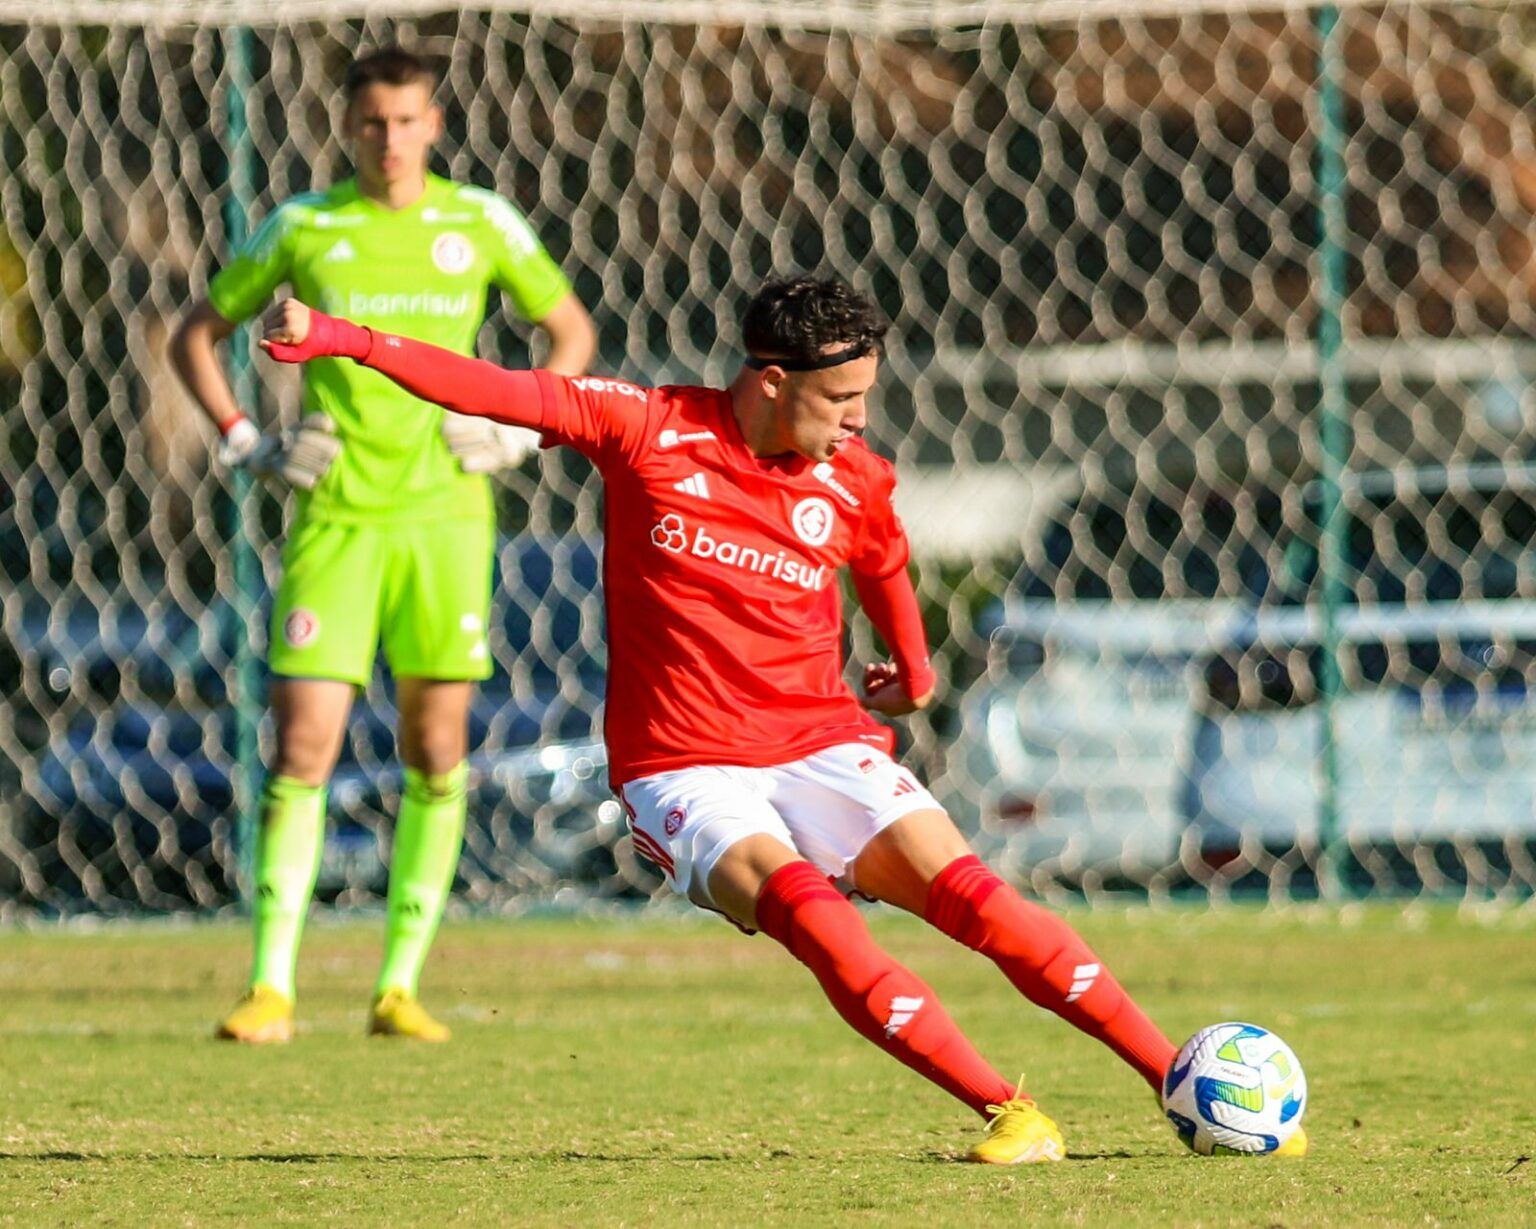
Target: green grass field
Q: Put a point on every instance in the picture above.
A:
(660, 1070)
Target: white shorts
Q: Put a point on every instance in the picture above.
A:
(827, 807)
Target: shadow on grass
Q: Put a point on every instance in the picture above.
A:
(267, 1158)
(955, 1158)
(327, 1158)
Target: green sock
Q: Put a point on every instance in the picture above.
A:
(290, 837)
(428, 837)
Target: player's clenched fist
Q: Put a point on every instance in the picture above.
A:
(287, 324)
(294, 333)
(883, 692)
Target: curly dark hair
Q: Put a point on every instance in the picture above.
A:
(388, 66)
(800, 318)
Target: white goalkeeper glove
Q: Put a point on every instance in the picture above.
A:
(300, 456)
(482, 446)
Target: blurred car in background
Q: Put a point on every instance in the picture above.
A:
(1116, 737)
(131, 792)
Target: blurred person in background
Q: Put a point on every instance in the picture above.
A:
(393, 531)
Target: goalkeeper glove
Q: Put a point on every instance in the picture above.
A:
(300, 456)
(482, 446)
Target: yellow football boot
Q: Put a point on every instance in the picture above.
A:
(1296, 1146)
(1019, 1134)
(397, 1013)
(263, 1017)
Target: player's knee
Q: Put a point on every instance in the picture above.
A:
(436, 750)
(308, 766)
(306, 751)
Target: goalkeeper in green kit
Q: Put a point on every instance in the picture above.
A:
(393, 533)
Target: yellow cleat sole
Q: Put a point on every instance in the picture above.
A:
(274, 1032)
(1043, 1152)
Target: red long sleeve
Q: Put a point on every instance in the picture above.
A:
(891, 604)
(463, 385)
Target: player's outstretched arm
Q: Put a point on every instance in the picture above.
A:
(906, 684)
(295, 333)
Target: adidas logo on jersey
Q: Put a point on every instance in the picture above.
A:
(694, 484)
(341, 250)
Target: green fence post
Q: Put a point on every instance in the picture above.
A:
(1334, 431)
(243, 504)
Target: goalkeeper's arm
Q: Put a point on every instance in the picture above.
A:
(296, 333)
(192, 351)
(301, 455)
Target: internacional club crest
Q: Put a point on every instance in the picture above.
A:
(300, 628)
(452, 253)
(669, 533)
(812, 521)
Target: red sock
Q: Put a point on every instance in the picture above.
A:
(883, 1001)
(1047, 961)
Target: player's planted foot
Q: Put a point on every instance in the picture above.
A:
(263, 1017)
(397, 1013)
(1019, 1134)
(1296, 1146)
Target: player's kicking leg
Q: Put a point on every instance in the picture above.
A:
(429, 834)
(722, 844)
(922, 864)
(311, 717)
(881, 999)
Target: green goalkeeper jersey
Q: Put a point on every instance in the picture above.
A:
(423, 272)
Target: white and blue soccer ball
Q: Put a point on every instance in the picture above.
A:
(1235, 1088)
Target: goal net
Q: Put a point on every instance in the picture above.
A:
(1210, 385)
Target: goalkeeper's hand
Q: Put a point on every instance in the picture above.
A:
(482, 446)
(300, 456)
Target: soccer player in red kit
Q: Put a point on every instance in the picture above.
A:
(752, 775)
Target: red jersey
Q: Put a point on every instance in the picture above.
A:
(724, 611)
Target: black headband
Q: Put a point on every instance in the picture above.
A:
(836, 359)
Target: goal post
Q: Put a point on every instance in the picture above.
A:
(1210, 389)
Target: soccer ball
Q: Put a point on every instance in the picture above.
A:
(1235, 1088)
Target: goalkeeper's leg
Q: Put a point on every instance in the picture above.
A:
(429, 834)
(311, 719)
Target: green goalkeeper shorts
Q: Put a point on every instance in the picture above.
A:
(423, 591)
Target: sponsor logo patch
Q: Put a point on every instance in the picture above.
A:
(596, 384)
(674, 821)
(301, 628)
(672, 534)
(823, 473)
(671, 439)
(669, 533)
(812, 521)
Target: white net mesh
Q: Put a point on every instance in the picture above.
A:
(1100, 239)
